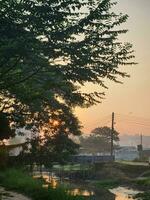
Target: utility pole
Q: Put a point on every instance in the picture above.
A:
(141, 140)
(141, 152)
(112, 135)
(140, 147)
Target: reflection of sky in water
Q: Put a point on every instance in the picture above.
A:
(124, 193)
(52, 181)
(78, 191)
(121, 193)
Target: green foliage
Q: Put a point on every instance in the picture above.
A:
(99, 140)
(143, 196)
(143, 182)
(132, 171)
(20, 181)
(107, 184)
(3, 157)
(71, 167)
(5, 131)
(49, 49)
(48, 149)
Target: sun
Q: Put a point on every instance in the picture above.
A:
(55, 123)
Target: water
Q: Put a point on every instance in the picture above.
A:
(123, 193)
(81, 192)
(119, 193)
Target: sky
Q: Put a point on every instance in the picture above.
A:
(129, 101)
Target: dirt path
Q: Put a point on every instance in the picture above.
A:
(9, 195)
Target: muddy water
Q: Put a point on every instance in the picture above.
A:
(119, 193)
(122, 193)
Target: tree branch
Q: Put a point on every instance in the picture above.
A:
(8, 70)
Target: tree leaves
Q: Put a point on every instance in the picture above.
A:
(49, 50)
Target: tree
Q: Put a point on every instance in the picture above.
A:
(99, 141)
(5, 131)
(50, 49)
(48, 150)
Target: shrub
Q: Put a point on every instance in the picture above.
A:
(3, 157)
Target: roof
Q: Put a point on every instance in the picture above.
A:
(12, 146)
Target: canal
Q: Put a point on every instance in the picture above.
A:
(86, 190)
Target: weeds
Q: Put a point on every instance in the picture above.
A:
(20, 181)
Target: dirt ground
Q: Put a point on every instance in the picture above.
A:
(9, 195)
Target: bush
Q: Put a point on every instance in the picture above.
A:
(3, 157)
(143, 196)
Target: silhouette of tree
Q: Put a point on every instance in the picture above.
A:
(5, 131)
(99, 141)
(49, 50)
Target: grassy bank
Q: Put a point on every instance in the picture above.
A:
(19, 180)
(143, 184)
(143, 196)
(134, 176)
(107, 184)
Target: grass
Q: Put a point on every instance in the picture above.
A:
(20, 181)
(143, 183)
(133, 163)
(116, 174)
(143, 196)
(130, 171)
(69, 167)
(107, 184)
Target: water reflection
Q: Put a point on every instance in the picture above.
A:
(53, 182)
(120, 193)
(49, 180)
(81, 192)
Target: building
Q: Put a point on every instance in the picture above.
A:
(13, 149)
(126, 153)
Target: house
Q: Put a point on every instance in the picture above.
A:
(13, 149)
(126, 153)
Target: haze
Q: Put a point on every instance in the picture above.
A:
(130, 99)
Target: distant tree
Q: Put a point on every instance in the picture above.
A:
(105, 132)
(99, 141)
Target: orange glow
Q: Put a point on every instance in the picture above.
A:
(78, 191)
(133, 96)
(55, 123)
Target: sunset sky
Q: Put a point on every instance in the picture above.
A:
(131, 100)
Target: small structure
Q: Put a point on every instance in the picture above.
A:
(13, 149)
(126, 153)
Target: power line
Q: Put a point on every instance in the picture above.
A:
(119, 119)
(133, 120)
(104, 120)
